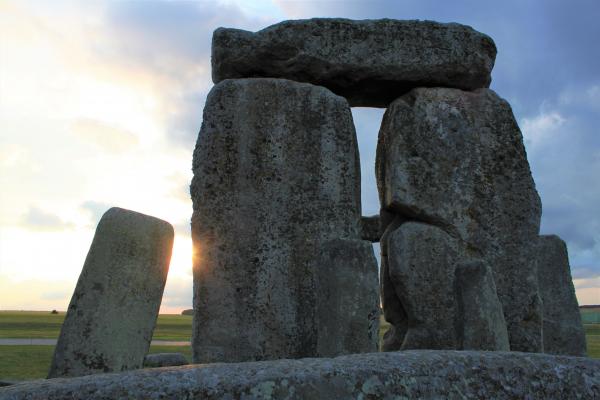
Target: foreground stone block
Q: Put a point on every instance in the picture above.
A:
(347, 316)
(370, 62)
(456, 159)
(276, 171)
(111, 317)
(409, 374)
(563, 329)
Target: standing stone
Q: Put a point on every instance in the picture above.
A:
(481, 324)
(276, 170)
(456, 159)
(347, 316)
(563, 329)
(370, 62)
(111, 317)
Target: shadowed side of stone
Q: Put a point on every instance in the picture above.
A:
(370, 62)
(113, 311)
(276, 170)
(347, 313)
(563, 329)
(407, 374)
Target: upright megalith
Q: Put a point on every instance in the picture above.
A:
(111, 317)
(455, 159)
(370, 62)
(563, 329)
(276, 174)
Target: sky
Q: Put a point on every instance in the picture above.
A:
(101, 103)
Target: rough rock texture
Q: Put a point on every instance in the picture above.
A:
(164, 360)
(563, 329)
(481, 324)
(276, 170)
(409, 374)
(456, 159)
(370, 228)
(370, 62)
(111, 317)
(347, 316)
(421, 263)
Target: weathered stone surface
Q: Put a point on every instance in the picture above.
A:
(370, 228)
(276, 170)
(481, 324)
(456, 159)
(347, 316)
(421, 263)
(370, 62)
(410, 374)
(111, 317)
(164, 360)
(563, 329)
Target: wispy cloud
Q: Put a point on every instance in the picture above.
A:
(38, 219)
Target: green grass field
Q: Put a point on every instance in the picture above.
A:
(43, 325)
(33, 362)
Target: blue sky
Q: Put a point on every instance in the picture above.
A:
(101, 102)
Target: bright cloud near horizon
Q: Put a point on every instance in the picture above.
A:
(101, 102)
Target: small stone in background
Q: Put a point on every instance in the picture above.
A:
(164, 360)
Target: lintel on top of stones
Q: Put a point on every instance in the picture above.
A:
(370, 62)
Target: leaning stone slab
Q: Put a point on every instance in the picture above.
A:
(347, 315)
(276, 170)
(164, 360)
(404, 375)
(111, 317)
(563, 329)
(370, 62)
(456, 159)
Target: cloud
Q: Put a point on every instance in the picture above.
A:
(536, 129)
(38, 219)
(95, 209)
(108, 138)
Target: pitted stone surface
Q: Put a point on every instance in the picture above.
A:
(563, 329)
(456, 160)
(406, 374)
(370, 62)
(276, 170)
(111, 317)
(347, 316)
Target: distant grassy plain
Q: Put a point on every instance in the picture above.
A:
(32, 362)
